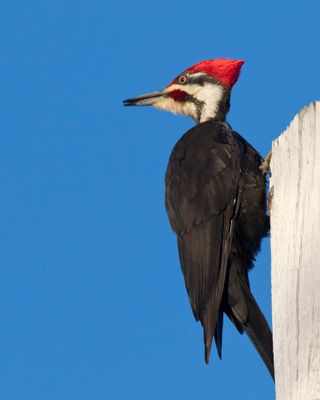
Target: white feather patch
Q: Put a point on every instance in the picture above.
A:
(209, 94)
(166, 103)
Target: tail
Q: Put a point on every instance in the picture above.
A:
(259, 333)
(244, 310)
(218, 333)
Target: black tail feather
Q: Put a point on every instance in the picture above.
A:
(243, 310)
(259, 333)
(218, 333)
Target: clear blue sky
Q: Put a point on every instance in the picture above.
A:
(92, 300)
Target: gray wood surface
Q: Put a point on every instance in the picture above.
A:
(295, 249)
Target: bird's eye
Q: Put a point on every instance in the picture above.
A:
(182, 79)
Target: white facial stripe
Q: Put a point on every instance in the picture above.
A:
(198, 74)
(166, 103)
(190, 110)
(211, 95)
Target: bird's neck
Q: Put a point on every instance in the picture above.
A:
(215, 105)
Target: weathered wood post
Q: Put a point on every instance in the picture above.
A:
(295, 249)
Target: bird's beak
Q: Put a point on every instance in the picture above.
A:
(148, 99)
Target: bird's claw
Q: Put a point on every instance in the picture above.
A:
(265, 165)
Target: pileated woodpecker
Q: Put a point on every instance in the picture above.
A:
(216, 203)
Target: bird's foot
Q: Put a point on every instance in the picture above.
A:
(265, 165)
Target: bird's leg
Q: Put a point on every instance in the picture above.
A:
(265, 169)
(265, 165)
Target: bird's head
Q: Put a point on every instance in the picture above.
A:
(201, 92)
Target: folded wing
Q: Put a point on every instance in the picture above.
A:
(203, 192)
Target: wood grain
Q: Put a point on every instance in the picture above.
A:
(295, 249)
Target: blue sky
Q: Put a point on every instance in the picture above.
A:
(92, 300)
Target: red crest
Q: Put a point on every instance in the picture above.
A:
(224, 70)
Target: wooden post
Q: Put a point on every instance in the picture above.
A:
(295, 250)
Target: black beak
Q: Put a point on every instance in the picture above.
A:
(145, 100)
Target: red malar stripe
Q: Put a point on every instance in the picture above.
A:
(177, 95)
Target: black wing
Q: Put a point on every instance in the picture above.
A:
(202, 198)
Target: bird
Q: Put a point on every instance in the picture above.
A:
(215, 197)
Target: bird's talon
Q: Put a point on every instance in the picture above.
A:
(265, 165)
